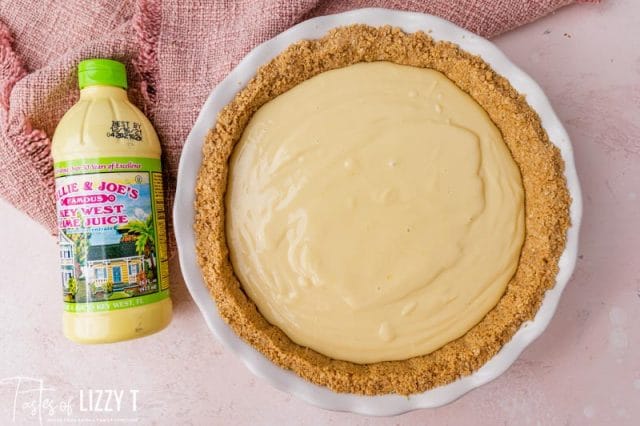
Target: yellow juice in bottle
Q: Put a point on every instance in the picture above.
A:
(110, 211)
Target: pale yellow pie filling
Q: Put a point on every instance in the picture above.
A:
(374, 212)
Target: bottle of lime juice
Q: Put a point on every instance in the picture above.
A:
(110, 211)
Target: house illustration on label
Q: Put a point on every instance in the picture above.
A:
(122, 266)
(67, 266)
(117, 263)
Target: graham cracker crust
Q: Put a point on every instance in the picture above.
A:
(547, 204)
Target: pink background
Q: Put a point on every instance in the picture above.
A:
(585, 369)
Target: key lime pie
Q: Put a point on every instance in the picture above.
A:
(379, 212)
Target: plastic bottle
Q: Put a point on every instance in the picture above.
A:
(110, 211)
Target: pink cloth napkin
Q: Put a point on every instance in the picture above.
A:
(175, 51)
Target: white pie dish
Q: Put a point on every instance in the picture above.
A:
(184, 212)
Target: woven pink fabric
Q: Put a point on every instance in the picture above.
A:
(176, 52)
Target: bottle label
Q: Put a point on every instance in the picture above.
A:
(112, 237)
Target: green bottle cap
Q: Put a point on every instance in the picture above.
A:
(104, 72)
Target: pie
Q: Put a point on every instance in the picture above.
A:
(379, 212)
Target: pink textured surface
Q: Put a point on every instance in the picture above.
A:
(585, 369)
